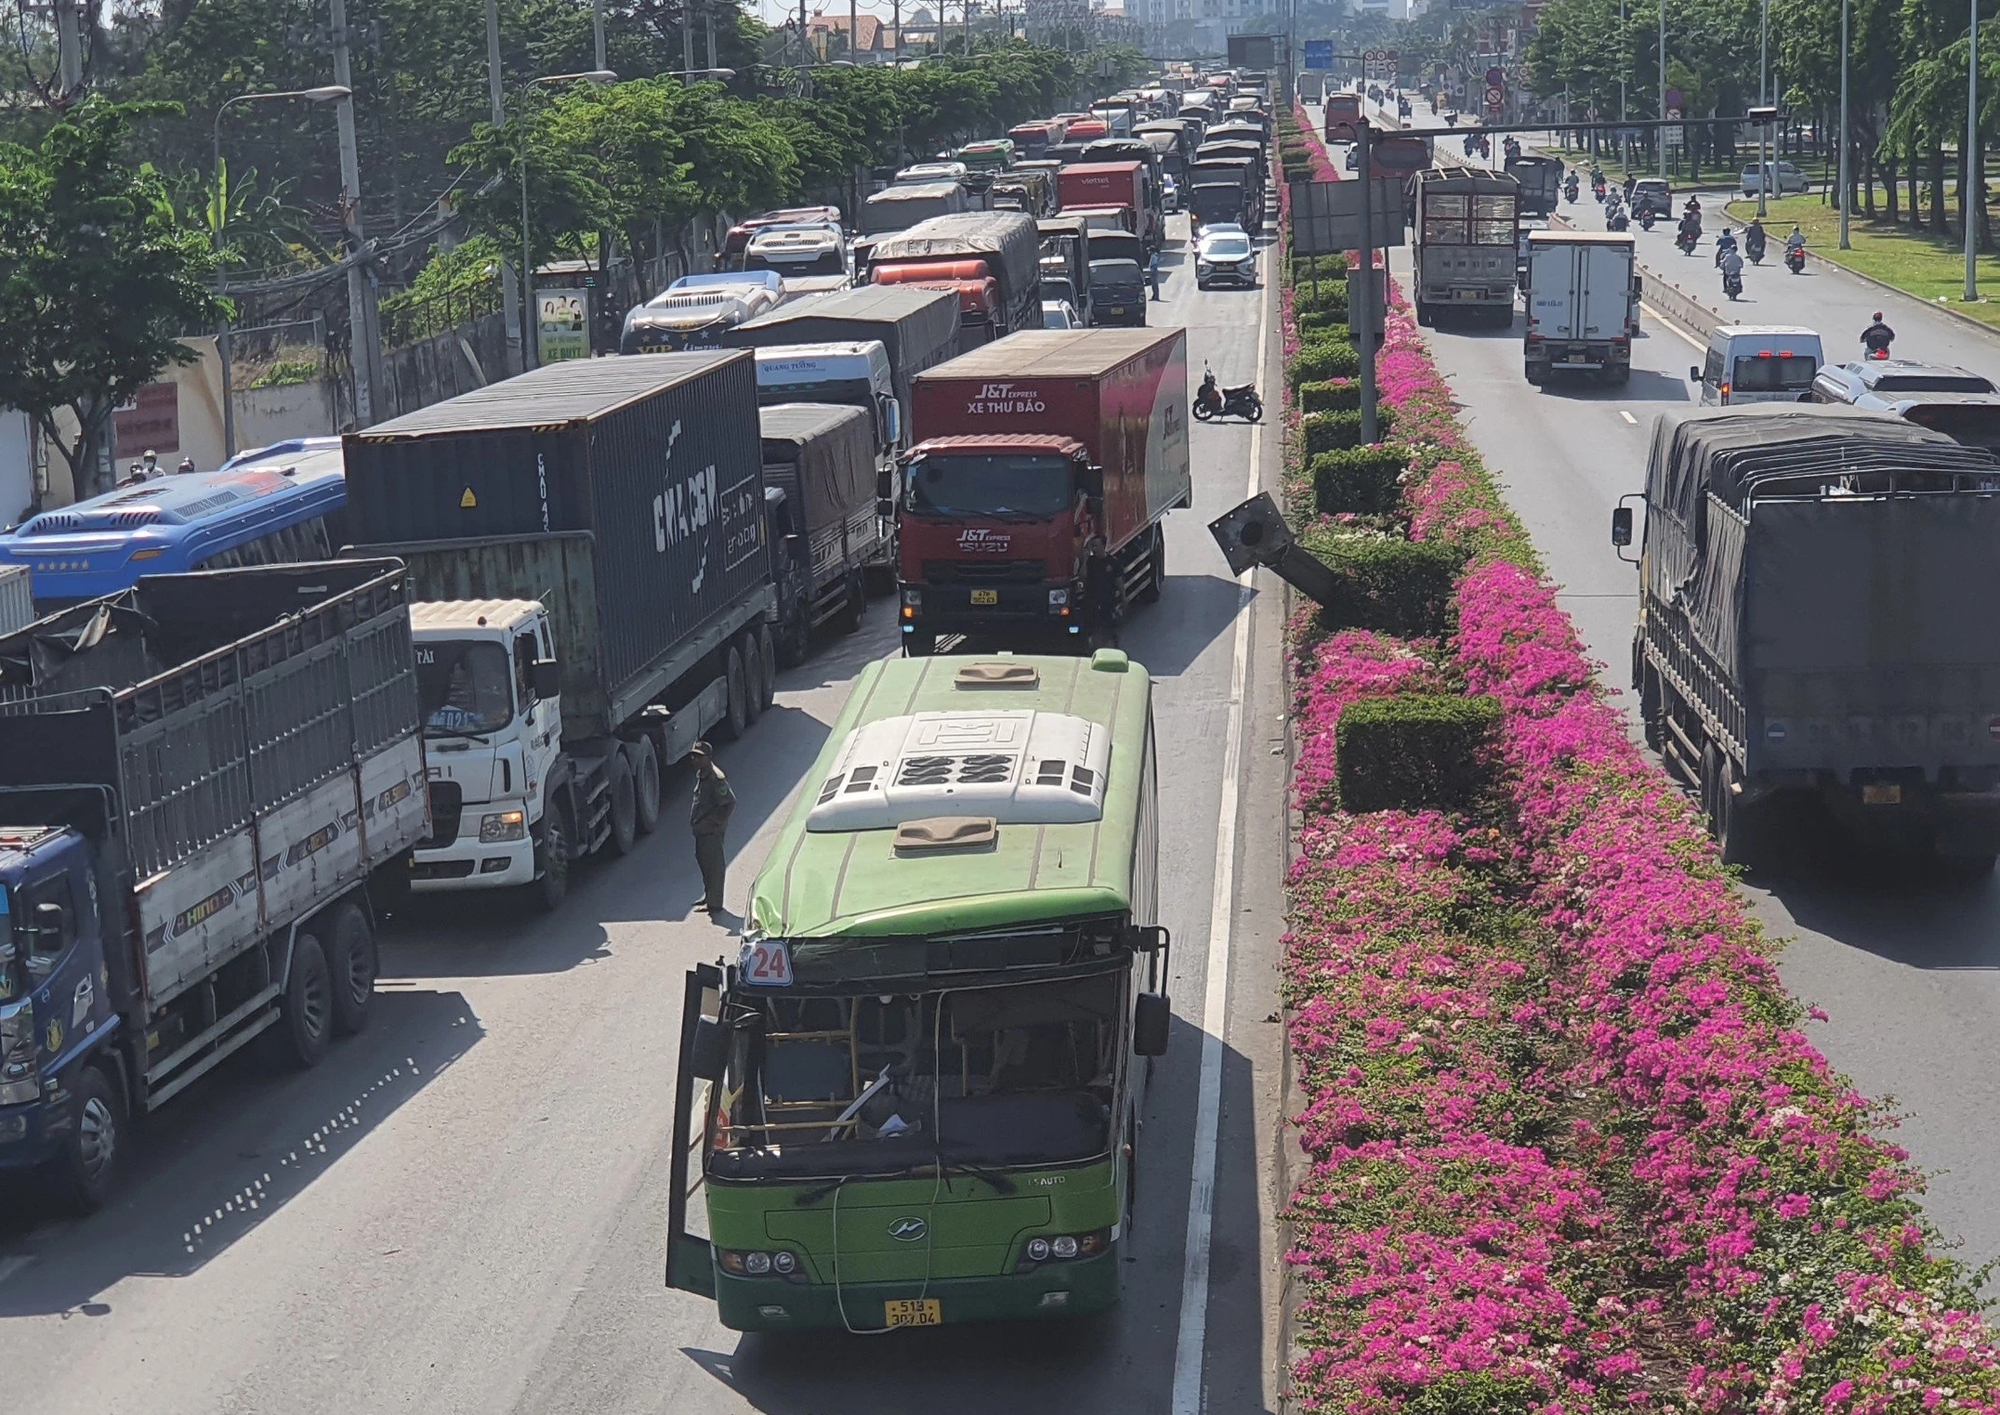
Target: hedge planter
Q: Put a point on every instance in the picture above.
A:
(1334, 395)
(1323, 358)
(1387, 584)
(1360, 481)
(1414, 751)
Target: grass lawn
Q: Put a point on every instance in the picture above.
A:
(1918, 263)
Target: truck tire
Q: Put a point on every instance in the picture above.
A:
(1619, 375)
(795, 638)
(624, 805)
(1652, 708)
(737, 716)
(1728, 818)
(1424, 315)
(857, 605)
(81, 1176)
(552, 860)
(753, 677)
(767, 655)
(645, 785)
(1535, 373)
(352, 962)
(1157, 577)
(307, 1021)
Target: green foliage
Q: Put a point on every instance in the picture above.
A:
(98, 275)
(287, 373)
(1337, 430)
(1333, 395)
(1362, 481)
(1414, 751)
(1319, 359)
(454, 285)
(1387, 584)
(1334, 321)
(1331, 291)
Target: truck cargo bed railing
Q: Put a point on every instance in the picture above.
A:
(1671, 649)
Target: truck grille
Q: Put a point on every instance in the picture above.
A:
(983, 572)
(447, 804)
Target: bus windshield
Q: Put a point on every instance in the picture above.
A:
(1019, 1074)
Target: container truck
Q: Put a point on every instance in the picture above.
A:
(1033, 500)
(1465, 241)
(819, 495)
(198, 778)
(1812, 592)
(1004, 241)
(622, 501)
(1126, 184)
(1033, 139)
(1583, 305)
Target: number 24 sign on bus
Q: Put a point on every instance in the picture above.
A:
(766, 963)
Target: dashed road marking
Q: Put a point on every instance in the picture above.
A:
(1628, 417)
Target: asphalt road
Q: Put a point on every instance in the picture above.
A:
(463, 1209)
(1908, 969)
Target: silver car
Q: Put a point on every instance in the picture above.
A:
(1786, 180)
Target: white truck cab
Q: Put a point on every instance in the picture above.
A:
(490, 698)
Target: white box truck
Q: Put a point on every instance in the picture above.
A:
(1583, 305)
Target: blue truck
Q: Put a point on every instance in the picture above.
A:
(200, 777)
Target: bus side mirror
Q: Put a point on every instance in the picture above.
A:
(892, 414)
(1152, 1015)
(708, 1054)
(1621, 526)
(547, 678)
(885, 506)
(1694, 374)
(1151, 938)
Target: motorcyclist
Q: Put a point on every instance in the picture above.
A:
(1732, 270)
(1725, 244)
(1753, 241)
(1796, 241)
(1690, 226)
(1877, 337)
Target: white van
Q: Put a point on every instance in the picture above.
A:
(1758, 363)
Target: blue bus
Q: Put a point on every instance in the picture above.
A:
(276, 505)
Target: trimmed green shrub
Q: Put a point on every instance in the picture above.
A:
(1414, 751)
(1323, 358)
(1333, 431)
(1332, 269)
(1387, 584)
(1361, 481)
(1329, 298)
(1312, 320)
(1334, 395)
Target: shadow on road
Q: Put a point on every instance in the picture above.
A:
(211, 1167)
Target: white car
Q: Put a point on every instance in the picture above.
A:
(1786, 180)
(1060, 314)
(1225, 258)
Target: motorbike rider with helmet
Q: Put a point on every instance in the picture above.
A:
(1753, 241)
(1877, 337)
(1732, 271)
(1725, 244)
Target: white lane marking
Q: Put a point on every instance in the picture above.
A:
(1692, 342)
(1628, 417)
(1190, 1345)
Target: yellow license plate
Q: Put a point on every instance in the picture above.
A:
(986, 596)
(924, 1312)
(1881, 793)
(1118, 309)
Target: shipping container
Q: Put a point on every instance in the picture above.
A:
(631, 488)
(918, 328)
(1128, 184)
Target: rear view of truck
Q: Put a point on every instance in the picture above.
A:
(819, 491)
(1813, 619)
(1583, 305)
(199, 778)
(1466, 245)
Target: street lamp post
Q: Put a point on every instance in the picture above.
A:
(1663, 88)
(1763, 101)
(1974, 164)
(1843, 126)
(531, 319)
(327, 94)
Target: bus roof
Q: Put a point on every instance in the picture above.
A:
(1011, 739)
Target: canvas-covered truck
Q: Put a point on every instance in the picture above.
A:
(1005, 242)
(904, 205)
(1033, 499)
(819, 497)
(1812, 592)
(1541, 180)
(913, 1098)
(622, 500)
(199, 777)
(1583, 305)
(1466, 245)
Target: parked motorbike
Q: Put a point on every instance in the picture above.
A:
(1241, 401)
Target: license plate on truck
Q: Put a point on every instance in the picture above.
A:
(920, 1312)
(986, 596)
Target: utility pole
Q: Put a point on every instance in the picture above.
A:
(1763, 100)
(854, 30)
(1625, 139)
(1974, 164)
(1843, 126)
(896, 19)
(69, 50)
(510, 294)
(597, 32)
(687, 39)
(708, 19)
(1364, 328)
(1663, 87)
(361, 333)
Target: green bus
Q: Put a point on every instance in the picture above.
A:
(914, 1096)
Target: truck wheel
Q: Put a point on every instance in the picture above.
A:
(795, 638)
(308, 1011)
(1536, 374)
(81, 1176)
(1157, 577)
(624, 805)
(1728, 818)
(767, 655)
(753, 677)
(352, 961)
(1424, 315)
(552, 860)
(645, 785)
(856, 606)
(738, 715)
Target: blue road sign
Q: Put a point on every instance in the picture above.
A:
(1319, 54)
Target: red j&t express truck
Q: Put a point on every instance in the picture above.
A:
(1033, 499)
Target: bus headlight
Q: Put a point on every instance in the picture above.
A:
(783, 1262)
(756, 1264)
(502, 826)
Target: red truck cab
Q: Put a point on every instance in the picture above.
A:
(1032, 503)
(1129, 185)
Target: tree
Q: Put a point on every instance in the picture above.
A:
(98, 276)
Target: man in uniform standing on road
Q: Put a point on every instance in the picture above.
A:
(713, 801)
